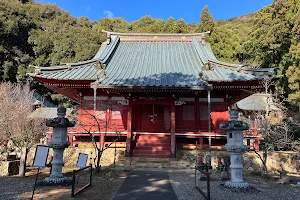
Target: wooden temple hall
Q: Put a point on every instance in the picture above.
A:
(160, 92)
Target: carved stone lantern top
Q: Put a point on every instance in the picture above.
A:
(60, 120)
(234, 123)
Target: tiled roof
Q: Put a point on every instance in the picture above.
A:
(40, 100)
(154, 64)
(149, 60)
(257, 102)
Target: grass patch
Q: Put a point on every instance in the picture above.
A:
(108, 173)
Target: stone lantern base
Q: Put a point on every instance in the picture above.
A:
(237, 185)
(56, 180)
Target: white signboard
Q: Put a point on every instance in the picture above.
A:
(81, 162)
(41, 155)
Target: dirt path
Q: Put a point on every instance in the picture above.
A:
(146, 185)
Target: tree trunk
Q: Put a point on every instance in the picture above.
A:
(263, 160)
(98, 166)
(265, 155)
(23, 159)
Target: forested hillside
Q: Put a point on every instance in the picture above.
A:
(35, 34)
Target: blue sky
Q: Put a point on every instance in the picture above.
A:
(131, 10)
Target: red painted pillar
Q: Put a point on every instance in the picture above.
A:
(71, 139)
(129, 129)
(256, 144)
(101, 135)
(201, 143)
(173, 139)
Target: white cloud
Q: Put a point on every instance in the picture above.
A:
(108, 13)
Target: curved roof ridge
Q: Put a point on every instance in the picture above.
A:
(198, 50)
(203, 50)
(107, 51)
(243, 68)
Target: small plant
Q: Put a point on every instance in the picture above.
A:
(109, 173)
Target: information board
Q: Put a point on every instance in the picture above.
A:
(41, 155)
(82, 158)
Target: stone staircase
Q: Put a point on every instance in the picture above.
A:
(152, 146)
(141, 162)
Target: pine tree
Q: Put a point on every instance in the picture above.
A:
(181, 26)
(206, 21)
(170, 26)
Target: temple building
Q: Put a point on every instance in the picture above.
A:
(160, 92)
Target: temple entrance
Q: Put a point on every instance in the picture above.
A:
(151, 125)
(153, 118)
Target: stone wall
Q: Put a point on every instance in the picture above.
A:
(71, 155)
(290, 161)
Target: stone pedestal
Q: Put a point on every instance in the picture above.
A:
(59, 141)
(236, 148)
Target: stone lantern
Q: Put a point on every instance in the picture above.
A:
(236, 148)
(59, 141)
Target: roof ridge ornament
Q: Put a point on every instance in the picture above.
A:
(207, 66)
(101, 70)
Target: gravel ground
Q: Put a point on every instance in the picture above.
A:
(15, 188)
(184, 187)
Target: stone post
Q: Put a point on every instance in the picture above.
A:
(59, 141)
(236, 148)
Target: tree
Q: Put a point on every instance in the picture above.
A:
(170, 26)
(277, 135)
(181, 26)
(15, 52)
(143, 25)
(206, 21)
(157, 26)
(271, 37)
(293, 74)
(225, 44)
(112, 24)
(15, 125)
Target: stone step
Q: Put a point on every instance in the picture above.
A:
(135, 159)
(152, 155)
